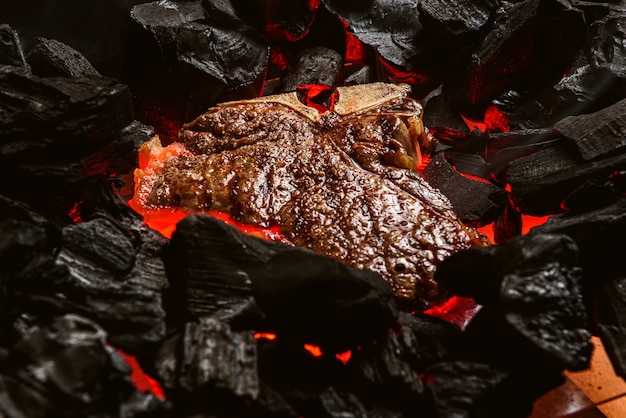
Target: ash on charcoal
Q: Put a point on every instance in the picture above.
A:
(199, 53)
(476, 202)
(51, 58)
(534, 284)
(528, 48)
(64, 360)
(597, 134)
(11, 51)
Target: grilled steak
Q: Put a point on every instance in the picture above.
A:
(343, 183)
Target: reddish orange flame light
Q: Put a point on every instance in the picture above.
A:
(313, 349)
(140, 379)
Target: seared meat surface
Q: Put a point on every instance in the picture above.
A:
(343, 185)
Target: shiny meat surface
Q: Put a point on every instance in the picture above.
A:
(344, 186)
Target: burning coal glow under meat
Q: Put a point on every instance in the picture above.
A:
(180, 314)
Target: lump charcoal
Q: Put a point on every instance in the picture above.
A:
(213, 355)
(521, 112)
(73, 118)
(530, 46)
(73, 367)
(599, 235)
(611, 319)
(52, 58)
(214, 262)
(436, 339)
(196, 56)
(316, 65)
(606, 44)
(597, 134)
(595, 194)
(315, 299)
(468, 163)
(541, 181)
(536, 282)
(392, 29)
(467, 389)
(338, 405)
(362, 75)
(508, 225)
(439, 114)
(476, 202)
(11, 51)
(309, 296)
(115, 280)
(456, 21)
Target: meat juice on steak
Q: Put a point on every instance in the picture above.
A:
(343, 183)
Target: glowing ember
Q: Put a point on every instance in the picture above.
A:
(313, 349)
(264, 336)
(344, 357)
(140, 379)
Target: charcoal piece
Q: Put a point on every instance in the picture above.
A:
(315, 299)
(508, 225)
(585, 90)
(530, 46)
(455, 21)
(597, 134)
(338, 405)
(476, 202)
(523, 112)
(599, 236)
(436, 340)
(439, 113)
(546, 306)
(393, 30)
(192, 55)
(114, 277)
(467, 389)
(537, 283)
(363, 75)
(542, 180)
(611, 319)
(605, 45)
(311, 297)
(473, 165)
(595, 194)
(212, 355)
(52, 58)
(478, 272)
(74, 368)
(11, 52)
(317, 65)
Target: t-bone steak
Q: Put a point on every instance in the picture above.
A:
(343, 183)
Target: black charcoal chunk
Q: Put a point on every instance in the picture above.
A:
(595, 194)
(536, 282)
(440, 114)
(192, 55)
(65, 360)
(212, 355)
(530, 45)
(310, 297)
(599, 235)
(596, 134)
(436, 339)
(52, 58)
(467, 389)
(316, 65)
(451, 20)
(476, 202)
(315, 299)
(11, 51)
(542, 180)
